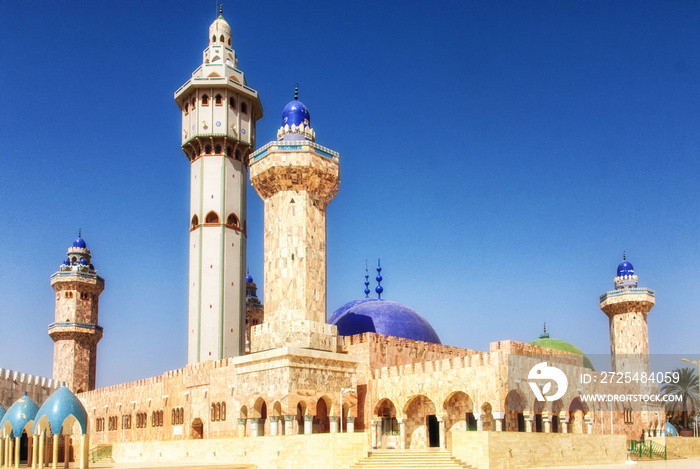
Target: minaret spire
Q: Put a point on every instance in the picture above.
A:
(296, 92)
(366, 280)
(379, 279)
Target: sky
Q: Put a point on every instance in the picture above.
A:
(499, 157)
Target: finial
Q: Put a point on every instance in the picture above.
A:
(221, 9)
(366, 280)
(379, 279)
(545, 335)
(296, 92)
(624, 255)
(80, 231)
(247, 270)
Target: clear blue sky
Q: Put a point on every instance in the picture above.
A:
(498, 156)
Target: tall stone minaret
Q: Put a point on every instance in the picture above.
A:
(75, 331)
(297, 179)
(627, 307)
(219, 111)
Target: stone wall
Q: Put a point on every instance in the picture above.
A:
(14, 384)
(319, 451)
(507, 450)
(684, 446)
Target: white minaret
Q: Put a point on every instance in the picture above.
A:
(219, 112)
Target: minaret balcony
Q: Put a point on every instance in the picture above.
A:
(628, 300)
(69, 330)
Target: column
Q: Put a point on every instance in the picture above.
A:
(402, 433)
(54, 460)
(374, 434)
(564, 424)
(254, 424)
(589, 426)
(34, 441)
(334, 424)
(66, 448)
(528, 423)
(2, 451)
(17, 445)
(241, 428)
(10, 450)
(498, 418)
(288, 424)
(308, 424)
(646, 433)
(479, 423)
(547, 423)
(273, 425)
(84, 451)
(350, 425)
(42, 441)
(441, 425)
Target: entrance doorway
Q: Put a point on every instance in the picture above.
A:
(433, 432)
(197, 429)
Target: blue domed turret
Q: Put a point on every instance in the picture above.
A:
(79, 243)
(66, 262)
(248, 278)
(625, 269)
(61, 405)
(295, 113)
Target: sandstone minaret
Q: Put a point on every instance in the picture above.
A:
(627, 307)
(75, 331)
(219, 111)
(297, 179)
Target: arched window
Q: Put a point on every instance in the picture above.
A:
(244, 108)
(213, 38)
(229, 151)
(205, 100)
(212, 217)
(187, 108)
(207, 149)
(232, 103)
(217, 149)
(222, 38)
(238, 155)
(232, 221)
(194, 103)
(223, 411)
(195, 222)
(213, 413)
(229, 41)
(219, 100)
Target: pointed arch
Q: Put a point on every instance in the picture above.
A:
(232, 221)
(194, 224)
(212, 218)
(205, 100)
(218, 100)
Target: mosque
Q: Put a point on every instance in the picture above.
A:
(276, 383)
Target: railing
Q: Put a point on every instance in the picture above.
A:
(649, 449)
(100, 452)
(610, 294)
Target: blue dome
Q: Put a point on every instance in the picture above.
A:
(296, 113)
(670, 430)
(248, 278)
(19, 415)
(336, 314)
(66, 262)
(79, 243)
(625, 268)
(83, 261)
(385, 317)
(58, 407)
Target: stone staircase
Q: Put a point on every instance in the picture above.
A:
(424, 458)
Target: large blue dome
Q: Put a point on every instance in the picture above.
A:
(338, 312)
(625, 268)
(296, 113)
(79, 243)
(384, 317)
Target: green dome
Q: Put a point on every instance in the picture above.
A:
(557, 344)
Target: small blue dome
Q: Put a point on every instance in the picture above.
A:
(66, 262)
(387, 318)
(79, 243)
(19, 415)
(296, 113)
(58, 407)
(670, 430)
(248, 278)
(83, 261)
(625, 268)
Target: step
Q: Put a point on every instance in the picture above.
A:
(437, 459)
